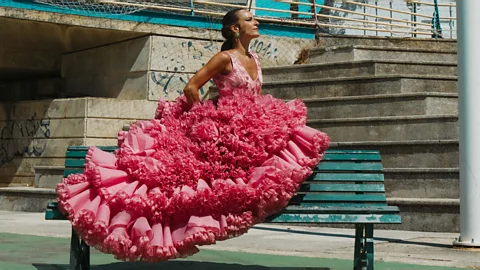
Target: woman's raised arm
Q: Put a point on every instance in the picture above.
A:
(220, 63)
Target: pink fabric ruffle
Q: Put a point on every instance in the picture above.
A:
(192, 176)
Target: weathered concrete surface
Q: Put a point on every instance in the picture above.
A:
(361, 86)
(36, 134)
(359, 52)
(429, 215)
(404, 42)
(26, 199)
(123, 109)
(29, 48)
(422, 183)
(383, 105)
(425, 248)
(357, 68)
(389, 128)
(155, 67)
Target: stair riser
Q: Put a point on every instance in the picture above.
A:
(404, 106)
(343, 55)
(48, 178)
(348, 40)
(351, 70)
(427, 218)
(420, 218)
(394, 130)
(25, 202)
(415, 155)
(359, 88)
(422, 185)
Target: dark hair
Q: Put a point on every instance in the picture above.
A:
(228, 20)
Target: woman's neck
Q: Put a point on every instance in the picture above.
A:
(242, 47)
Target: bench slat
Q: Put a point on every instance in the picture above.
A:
(357, 209)
(346, 157)
(336, 218)
(75, 163)
(67, 172)
(349, 166)
(370, 177)
(342, 188)
(339, 204)
(76, 154)
(317, 197)
(349, 151)
(54, 214)
(85, 148)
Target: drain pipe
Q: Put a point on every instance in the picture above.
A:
(468, 38)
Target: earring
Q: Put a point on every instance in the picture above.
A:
(236, 35)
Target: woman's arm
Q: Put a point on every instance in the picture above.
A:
(220, 63)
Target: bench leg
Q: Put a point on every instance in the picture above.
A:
(85, 249)
(79, 253)
(359, 247)
(369, 246)
(364, 252)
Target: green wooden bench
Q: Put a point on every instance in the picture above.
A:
(346, 188)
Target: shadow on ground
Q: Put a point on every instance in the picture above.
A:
(175, 265)
(391, 240)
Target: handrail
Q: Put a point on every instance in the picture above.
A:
(373, 16)
(311, 19)
(374, 29)
(431, 4)
(310, 14)
(371, 22)
(389, 9)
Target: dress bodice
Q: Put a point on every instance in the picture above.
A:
(238, 81)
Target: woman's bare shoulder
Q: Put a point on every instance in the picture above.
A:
(221, 57)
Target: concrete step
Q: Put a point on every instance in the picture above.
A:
(382, 105)
(389, 128)
(403, 42)
(422, 214)
(358, 68)
(38, 88)
(337, 54)
(26, 199)
(410, 154)
(422, 183)
(361, 86)
(48, 176)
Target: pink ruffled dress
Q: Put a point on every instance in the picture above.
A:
(193, 176)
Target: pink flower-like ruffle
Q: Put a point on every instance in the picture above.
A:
(192, 176)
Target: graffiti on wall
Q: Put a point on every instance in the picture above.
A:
(23, 138)
(175, 61)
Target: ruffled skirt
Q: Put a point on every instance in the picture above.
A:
(192, 176)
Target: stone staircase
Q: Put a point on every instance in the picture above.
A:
(395, 95)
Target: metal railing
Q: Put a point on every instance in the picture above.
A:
(411, 18)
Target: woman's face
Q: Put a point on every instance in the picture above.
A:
(248, 24)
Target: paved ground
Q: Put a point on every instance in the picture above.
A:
(27, 241)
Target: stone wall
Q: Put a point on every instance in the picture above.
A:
(36, 134)
(155, 67)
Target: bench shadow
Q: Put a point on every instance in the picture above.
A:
(390, 240)
(174, 265)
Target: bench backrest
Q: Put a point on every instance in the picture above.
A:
(346, 187)
(344, 178)
(75, 158)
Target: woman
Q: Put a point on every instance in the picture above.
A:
(197, 173)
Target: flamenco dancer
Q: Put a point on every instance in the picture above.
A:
(198, 172)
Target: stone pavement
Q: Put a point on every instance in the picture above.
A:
(27, 241)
